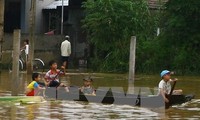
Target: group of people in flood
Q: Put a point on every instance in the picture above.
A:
(51, 78)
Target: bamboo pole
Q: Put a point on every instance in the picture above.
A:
(2, 4)
(31, 36)
(15, 62)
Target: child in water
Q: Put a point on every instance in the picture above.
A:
(165, 85)
(87, 87)
(52, 76)
(33, 88)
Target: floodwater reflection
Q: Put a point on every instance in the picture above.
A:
(67, 110)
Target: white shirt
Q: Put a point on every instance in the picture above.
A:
(65, 48)
(166, 86)
(26, 49)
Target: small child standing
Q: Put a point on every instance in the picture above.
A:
(26, 48)
(33, 88)
(52, 76)
(87, 87)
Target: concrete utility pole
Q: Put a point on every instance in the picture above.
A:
(31, 36)
(132, 59)
(2, 4)
(62, 15)
(131, 77)
(15, 62)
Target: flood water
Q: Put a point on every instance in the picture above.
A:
(66, 110)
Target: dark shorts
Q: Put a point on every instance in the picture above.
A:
(41, 84)
(65, 59)
(54, 83)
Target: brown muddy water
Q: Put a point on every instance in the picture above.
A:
(66, 110)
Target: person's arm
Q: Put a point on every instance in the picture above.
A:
(46, 80)
(61, 48)
(36, 86)
(173, 80)
(61, 72)
(23, 48)
(162, 92)
(81, 89)
(94, 92)
(69, 49)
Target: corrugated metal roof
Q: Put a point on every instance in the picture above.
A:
(156, 4)
(55, 4)
(153, 4)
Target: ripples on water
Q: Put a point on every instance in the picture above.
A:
(71, 110)
(189, 110)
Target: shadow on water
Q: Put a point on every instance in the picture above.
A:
(81, 110)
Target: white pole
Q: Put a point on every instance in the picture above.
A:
(131, 77)
(158, 31)
(62, 17)
(132, 59)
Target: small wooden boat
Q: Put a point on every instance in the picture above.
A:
(110, 97)
(22, 99)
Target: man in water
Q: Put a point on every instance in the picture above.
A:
(65, 51)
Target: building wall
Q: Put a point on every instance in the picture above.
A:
(75, 31)
(39, 16)
(25, 11)
(47, 48)
(25, 4)
(22, 14)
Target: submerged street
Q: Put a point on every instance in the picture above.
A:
(52, 109)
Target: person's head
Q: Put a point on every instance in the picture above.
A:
(53, 64)
(87, 81)
(36, 77)
(67, 37)
(26, 42)
(165, 74)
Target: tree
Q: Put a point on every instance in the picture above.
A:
(2, 4)
(180, 36)
(110, 24)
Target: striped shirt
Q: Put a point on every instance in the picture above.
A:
(50, 75)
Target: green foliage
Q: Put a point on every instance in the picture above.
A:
(110, 25)
(179, 44)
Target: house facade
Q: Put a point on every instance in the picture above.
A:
(17, 15)
(48, 18)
